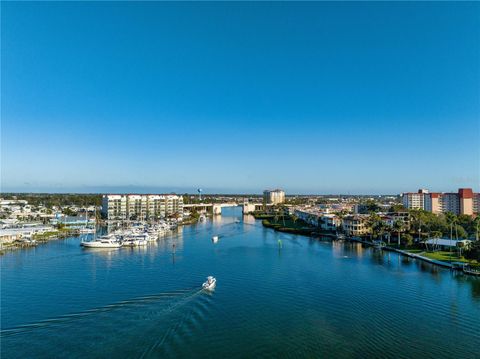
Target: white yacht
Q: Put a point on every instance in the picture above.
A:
(210, 283)
(215, 239)
(86, 230)
(102, 242)
(134, 241)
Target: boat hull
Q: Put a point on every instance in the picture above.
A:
(101, 245)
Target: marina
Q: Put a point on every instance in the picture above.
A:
(129, 235)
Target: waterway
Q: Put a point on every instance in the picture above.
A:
(309, 298)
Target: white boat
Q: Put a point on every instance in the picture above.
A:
(102, 242)
(142, 242)
(87, 230)
(210, 283)
(152, 236)
(134, 241)
(215, 239)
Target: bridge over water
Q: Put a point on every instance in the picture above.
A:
(216, 208)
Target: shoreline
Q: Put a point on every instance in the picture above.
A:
(310, 232)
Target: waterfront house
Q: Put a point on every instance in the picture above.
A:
(318, 217)
(355, 225)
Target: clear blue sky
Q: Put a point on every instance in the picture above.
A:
(238, 97)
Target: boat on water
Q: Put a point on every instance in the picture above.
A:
(86, 230)
(135, 240)
(210, 283)
(215, 239)
(102, 242)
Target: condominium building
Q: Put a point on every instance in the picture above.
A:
(276, 196)
(412, 200)
(465, 201)
(318, 218)
(140, 206)
(355, 225)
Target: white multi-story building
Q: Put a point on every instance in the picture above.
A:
(276, 196)
(141, 206)
(415, 200)
(318, 218)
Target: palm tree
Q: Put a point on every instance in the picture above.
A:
(340, 216)
(372, 221)
(451, 219)
(436, 235)
(417, 216)
(388, 230)
(476, 223)
(399, 226)
(380, 229)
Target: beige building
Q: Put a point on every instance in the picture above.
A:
(141, 206)
(355, 225)
(276, 196)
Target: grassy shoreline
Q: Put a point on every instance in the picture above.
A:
(287, 225)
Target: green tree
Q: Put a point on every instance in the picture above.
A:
(477, 227)
(408, 239)
(396, 208)
(372, 224)
(399, 227)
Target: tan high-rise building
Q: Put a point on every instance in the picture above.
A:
(414, 200)
(465, 201)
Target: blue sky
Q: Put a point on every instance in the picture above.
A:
(238, 97)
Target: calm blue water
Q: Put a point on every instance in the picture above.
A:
(310, 299)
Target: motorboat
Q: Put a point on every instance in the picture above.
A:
(102, 242)
(87, 230)
(152, 236)
(135, 241)
(210, 283)
(215, 239)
